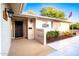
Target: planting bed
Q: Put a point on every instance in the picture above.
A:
(57, 38)
(55, 35)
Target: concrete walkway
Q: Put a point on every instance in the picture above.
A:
(66, 47)
(24, 47)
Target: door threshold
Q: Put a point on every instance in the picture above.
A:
(20, 38)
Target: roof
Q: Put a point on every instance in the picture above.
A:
(34, 16)
(16, 7)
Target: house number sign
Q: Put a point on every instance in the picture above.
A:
(45, 25)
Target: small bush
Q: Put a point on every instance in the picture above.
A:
(53, 34)
(49, 34)
(56, 33)
(68, 33)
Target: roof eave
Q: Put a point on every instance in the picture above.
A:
(34, 16)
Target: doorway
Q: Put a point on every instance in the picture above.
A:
(18, 28)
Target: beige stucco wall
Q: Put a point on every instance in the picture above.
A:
(41, 21)
(31, 32)
(56, 25)
(61, 26)
(6, 29)
(64, 26)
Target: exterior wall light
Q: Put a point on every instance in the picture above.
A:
(10, 13)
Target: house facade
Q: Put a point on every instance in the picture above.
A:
(34, 27)
(27, 26)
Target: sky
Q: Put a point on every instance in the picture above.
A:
(65, 7)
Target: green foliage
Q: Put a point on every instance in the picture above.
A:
(49, 34)
(53, 34)
(51, 12)
(31, 12)
(75, 26)
(67, 33)
(56, 33)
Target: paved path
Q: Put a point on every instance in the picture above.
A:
(24, 47)
(67, 47)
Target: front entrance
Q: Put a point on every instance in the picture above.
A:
(18, 28)
(24, 27)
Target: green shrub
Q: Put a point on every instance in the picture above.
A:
(49, 34)
(53, 34)
(75, 26)
(56, 33)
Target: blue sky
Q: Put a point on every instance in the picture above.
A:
(66, 7)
